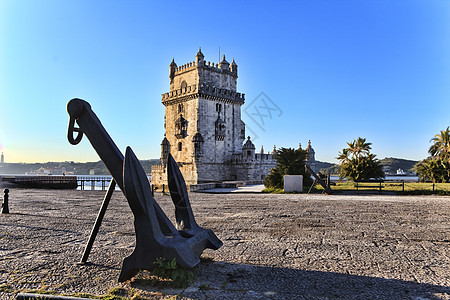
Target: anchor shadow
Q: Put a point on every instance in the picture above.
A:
(218, 280)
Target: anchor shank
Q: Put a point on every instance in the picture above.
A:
(103, 144)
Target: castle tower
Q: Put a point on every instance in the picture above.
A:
(311, 160)
(203, 126)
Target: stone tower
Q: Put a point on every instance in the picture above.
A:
(311, 159)
(203, 126)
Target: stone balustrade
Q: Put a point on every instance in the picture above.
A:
(205, 90)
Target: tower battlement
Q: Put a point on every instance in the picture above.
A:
(222, 67)
(199, 72)
(204, 91)
(185, 68)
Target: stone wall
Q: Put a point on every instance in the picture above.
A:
(216, 77)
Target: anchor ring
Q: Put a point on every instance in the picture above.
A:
(71, 130)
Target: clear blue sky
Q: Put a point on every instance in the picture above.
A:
(335, 69)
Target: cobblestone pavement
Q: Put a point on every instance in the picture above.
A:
(275, 246)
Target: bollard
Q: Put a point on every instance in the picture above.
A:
(5, 208)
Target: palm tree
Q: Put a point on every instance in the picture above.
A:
(357, 163)
(344, 155)
(359, 147)
(426, 169)
(289, 162)
(441, 145)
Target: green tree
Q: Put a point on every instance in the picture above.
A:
(433, 169)
(424, 169)
(441, 145)
(436, 168)
(357, 163)
(289, 162)
(359, 148)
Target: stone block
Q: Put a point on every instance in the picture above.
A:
(293, 183)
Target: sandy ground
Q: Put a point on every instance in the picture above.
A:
(275, 246)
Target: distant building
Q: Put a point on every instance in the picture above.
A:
(2, 159)
(400, 172)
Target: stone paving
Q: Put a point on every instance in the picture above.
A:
(292, 246)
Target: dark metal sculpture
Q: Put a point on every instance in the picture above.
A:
(326, 187)
(156, 236)
(5, 207)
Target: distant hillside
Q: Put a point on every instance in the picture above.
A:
(97, 168)
(390, 165)
(327, 168)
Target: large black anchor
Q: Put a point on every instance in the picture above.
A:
(156, 236)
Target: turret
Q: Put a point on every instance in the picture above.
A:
(165, 150)
(234, 67)
(224, 65)
(173, 69)
(199, 57)
(248, 150)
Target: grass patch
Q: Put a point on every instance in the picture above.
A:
(407, 188)
(41, 291)
(273, 191)
(116, 293)
(165, 274)
(172, 273)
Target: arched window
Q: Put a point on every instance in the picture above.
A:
(180, 108)
(180, 146)
(183, 84)
(181, 125)
(198, 144)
